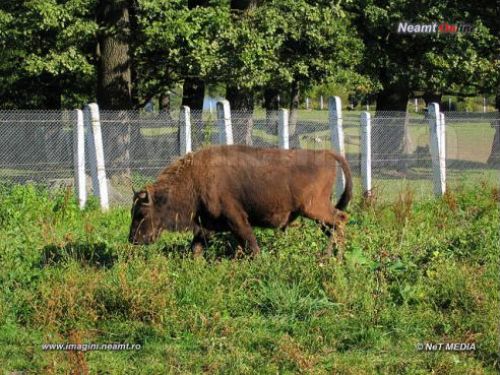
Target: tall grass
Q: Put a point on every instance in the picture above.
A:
(414, 271)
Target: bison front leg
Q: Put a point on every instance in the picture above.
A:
(200, 240)
(242, 230)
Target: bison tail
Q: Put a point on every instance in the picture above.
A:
(347, 194)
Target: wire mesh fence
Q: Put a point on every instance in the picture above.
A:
(401, 156)
(472, 148)
(38, 146)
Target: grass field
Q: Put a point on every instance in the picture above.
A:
(414, 272)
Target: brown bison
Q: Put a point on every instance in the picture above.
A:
(232, 188)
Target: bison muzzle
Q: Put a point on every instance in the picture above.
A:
(233, 188)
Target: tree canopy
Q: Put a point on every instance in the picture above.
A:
(51, 49)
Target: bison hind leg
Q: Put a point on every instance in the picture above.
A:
(332, 223)
(336, 240)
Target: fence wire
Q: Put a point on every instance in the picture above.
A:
(37, 146)
(401, 158)
(472, 148)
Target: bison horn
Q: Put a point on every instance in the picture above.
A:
(131, 183)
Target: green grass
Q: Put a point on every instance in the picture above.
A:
(414, 271)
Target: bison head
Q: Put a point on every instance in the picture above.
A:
(146, 226)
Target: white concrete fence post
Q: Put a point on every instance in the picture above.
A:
(283, 133)
(79, 159)
(185, 130)
(366, 153)
(90, 149)
(443, 141)
(96, 155)
(224, 122)
(337, 137)
(437, 140)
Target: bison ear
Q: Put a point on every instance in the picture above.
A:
(148, 198)
(144, 197)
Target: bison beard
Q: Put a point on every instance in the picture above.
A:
(232, 188)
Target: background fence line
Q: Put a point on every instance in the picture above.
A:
(79, 159)
(337, 137)
(437, 141)
(366, 153)
(98, 167)
(283, 129)
(387, 151)
(185, 130)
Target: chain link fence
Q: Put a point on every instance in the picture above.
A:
(472, 148)
(401, 157)
(38, 146)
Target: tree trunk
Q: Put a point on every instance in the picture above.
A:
(241, 100)
(243, 4)
(431, 97)
(165, 104)
(133, 30)
(294, 113)
(193, 93)
(390, 135)
(494, 158)
(114, 89)
(52, 132)
(242, 105)
(271, 106)
(114, 86)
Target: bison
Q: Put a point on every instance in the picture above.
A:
(232, 188)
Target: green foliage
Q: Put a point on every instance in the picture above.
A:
(428, 62)
(174, 42)
(50, 50)
(70, 276)
(47, 52)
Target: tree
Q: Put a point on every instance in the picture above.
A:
(241, 98)
(47, 53)
(46, 63)
(179, 44)
(316, 46)
(193, 91)
(403, 63)
(114, 83)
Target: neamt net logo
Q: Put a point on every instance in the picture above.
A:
(433, 28)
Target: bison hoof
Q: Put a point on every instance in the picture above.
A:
(197, 251)
(255, 252)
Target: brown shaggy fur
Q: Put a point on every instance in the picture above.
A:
(232, 188)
